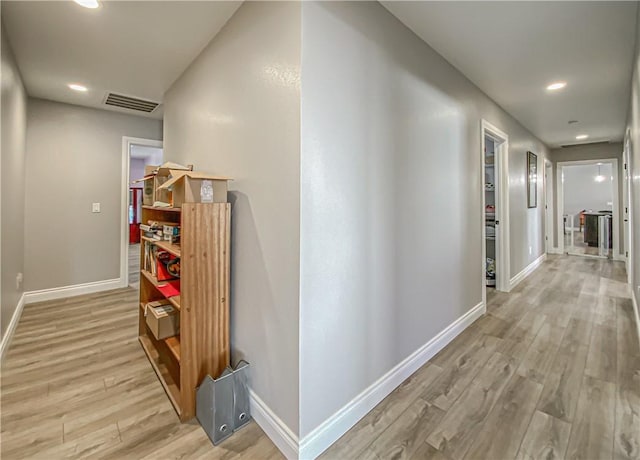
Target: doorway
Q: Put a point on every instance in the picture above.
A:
(588, 222)
(548, 206)
(626, 204)
(495, 205)
(139, 155)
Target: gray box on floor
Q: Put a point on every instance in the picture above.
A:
(222, 404)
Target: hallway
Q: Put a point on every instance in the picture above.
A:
(552, 371)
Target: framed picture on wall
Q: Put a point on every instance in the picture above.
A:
(532, 180)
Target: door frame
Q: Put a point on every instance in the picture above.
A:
(127, 143)
(548, 207)
(616, 202)
(501, 163)
(627, 214)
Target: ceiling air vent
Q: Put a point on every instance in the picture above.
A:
(608, 141)
(131, 103)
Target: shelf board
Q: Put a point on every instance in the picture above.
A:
(165, 245)
(170, 387)
(156, 208)
(170, 248)
(175, 300)
(173, 343)
(486, 165)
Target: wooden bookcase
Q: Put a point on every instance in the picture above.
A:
(202, 348)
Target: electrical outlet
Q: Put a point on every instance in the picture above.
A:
(95, 207)
(18, 280)
(530, 250)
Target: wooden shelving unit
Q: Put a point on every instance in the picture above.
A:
(202, 347)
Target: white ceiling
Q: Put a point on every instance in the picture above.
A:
(512, 50)
(133, 48)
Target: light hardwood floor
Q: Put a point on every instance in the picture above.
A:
(552, 371)
(134, 265)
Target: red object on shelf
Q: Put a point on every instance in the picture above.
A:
(170, 289)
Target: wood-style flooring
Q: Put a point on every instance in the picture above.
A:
(76, 384)
(552, 371)
(134, 265)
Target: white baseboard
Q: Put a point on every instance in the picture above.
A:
(554, 251)
(8, 335)
(527, 271)
(636, 311)
(72, 291)
(316, 442)
(274, 427)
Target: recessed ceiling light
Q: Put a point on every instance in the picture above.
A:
(582, 136)
(76, 87)
(556, 85)
(93, 4)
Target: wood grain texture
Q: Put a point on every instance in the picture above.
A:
(507, 423)
(602, 355)
(204, 296)
(76, 384)
(593, 427)
(546, 438)
(462, 423)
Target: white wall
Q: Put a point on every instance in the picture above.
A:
(12, 166)
(390, 199)
(236, 111)
(136, 170)
(634, 126)
(74, 158)
(581, 191)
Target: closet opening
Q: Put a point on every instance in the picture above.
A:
(495, 206)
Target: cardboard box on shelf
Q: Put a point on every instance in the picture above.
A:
(154, 177)
(196, 187)
(162, 319)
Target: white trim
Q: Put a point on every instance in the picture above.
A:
(274, 427)
(548, 206)
(316, 442)
(71, 291)
(8, 335)
(527, 271)
(127, 142)
(636, 311)
(502, 204)
(616, 202)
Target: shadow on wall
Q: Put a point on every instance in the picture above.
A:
(245, 245)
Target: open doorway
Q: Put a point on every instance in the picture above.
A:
(588, 208)
(548, 206)
(138, 156)
(627, 220)
(495, 216)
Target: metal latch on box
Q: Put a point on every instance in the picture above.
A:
(222, 404)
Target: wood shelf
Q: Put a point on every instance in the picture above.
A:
(202, 347)
(173, 343)
(170, 386)
(175, 300)
(165, 245)
(156, 208)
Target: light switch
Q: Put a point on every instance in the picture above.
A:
(95, 207)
